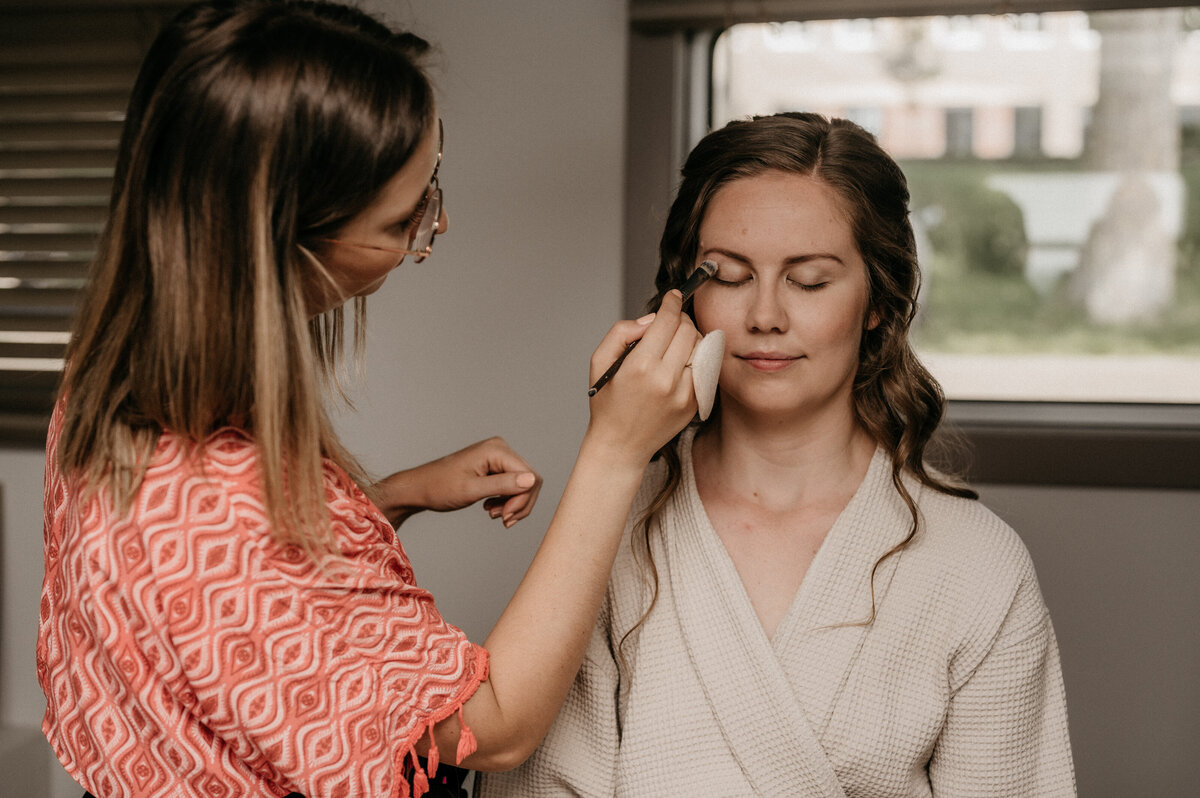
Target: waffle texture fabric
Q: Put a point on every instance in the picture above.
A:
(954, 689)
(183, 652)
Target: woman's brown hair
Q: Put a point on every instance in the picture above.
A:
(254, 127)
(895, 398)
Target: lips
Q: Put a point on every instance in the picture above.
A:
(768, 361)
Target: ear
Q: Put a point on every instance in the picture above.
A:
(872, 321)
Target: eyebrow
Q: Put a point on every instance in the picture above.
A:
(791, 260)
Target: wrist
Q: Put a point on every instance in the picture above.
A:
(399, 496)
(612, 453)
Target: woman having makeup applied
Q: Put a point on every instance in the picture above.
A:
(803, 605)
(226, 607)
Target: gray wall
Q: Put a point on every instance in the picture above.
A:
(1118, 571)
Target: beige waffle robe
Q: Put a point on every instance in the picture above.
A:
(954, 689)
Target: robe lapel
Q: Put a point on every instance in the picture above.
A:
(823, 631)
(761, 719)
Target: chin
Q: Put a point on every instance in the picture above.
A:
(371, 287)
(784, 404)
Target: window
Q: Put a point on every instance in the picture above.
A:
(1054, 163)
(1121, 405)
(65, 77)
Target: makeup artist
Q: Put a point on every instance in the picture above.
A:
(226, 606)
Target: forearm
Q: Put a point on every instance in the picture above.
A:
(537, 645)
(539, 641)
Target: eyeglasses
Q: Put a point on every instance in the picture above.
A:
(421, 242)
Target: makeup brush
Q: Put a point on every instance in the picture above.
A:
(705, 270)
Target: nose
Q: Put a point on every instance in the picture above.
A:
(766, 312)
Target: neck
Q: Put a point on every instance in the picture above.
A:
(784, 463)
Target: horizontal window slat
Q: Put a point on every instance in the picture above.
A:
(11, 352)
(55, 122)
(67, 103)
(34, 337)
(48, 365)
(20, 300)
(66, 146)
(92, 214)
(28, 53)
(30, 174)
(47, 158)
(43, 229)
(54, 76)
(25, 270)
(15, 131)
(65, 187)
(78, 25)
(22, 383)
(28, 390)
(49, 242)
(41, 283)
(43, 256)
(42, 320)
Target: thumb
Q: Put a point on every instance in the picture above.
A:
(508, 483)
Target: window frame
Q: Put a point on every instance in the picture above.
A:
(1042, 443)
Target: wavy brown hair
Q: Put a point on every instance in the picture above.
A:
(254, 126)
(895, 398)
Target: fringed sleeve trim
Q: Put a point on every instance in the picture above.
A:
(466, 740)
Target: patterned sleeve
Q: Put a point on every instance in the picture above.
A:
(1006, 729)
(579, 755)
(248, 662)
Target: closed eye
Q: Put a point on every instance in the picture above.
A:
(742, 281)
(807, 286)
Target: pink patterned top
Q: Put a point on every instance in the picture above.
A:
(185, 653)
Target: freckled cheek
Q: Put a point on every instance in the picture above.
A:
(830, 322)
(713, 312)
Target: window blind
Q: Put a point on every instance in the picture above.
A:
(65, 76)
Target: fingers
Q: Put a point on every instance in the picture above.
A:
(511, 509)
(679, 355)
(616, 342)
(653, 332)
(682, 344)
(652, 397)
(666, 321)
(510, 485)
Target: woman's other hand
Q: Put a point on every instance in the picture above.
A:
(488, 470)
(651, 397)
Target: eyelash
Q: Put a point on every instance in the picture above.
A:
(802, 286)
(417, 213)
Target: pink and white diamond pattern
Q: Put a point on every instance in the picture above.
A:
(183, 652)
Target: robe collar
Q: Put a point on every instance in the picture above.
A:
(770, 714)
